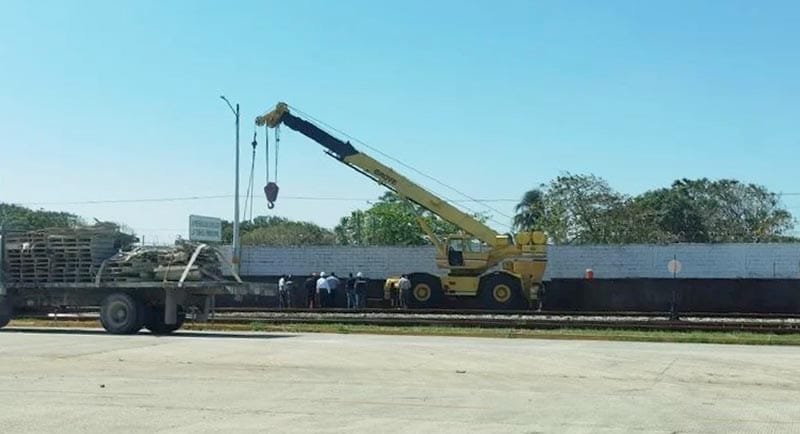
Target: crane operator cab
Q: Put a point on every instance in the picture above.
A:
(466, 252)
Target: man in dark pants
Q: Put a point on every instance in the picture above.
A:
(288, 291)
(360, 287)
(403, 289)
(333, 289)
(283, 291)
(310, 286)
(350, 288)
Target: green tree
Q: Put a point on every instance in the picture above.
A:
(584, 209)
(529, 212)
(279, 231)
(14, 217)
(392, 220)
(720, 211)
(675, 214)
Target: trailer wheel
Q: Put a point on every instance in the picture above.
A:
(156, 323)
(501, 291)
(121, 314)
(5, 310)
(426, 291)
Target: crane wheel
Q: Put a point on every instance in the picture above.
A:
(121, 314)
(5, 310)
(501, 291)
(426, 291)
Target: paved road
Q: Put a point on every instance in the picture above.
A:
(65, 382)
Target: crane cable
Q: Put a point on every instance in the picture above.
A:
(271, 188)
(449, 187)
(249, 196)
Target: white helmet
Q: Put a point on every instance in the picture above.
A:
(321, 274)
(359, 274)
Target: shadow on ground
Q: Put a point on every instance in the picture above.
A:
(181, 334)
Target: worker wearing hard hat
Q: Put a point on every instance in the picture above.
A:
(360, 291)
(322, 290)
(333, 288)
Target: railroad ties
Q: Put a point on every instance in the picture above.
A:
(78, 255)
(60, 255)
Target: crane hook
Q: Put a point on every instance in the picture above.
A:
(271, 191)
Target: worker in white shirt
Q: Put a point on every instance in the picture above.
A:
(285, 285)
(404, 287)
(322, 290)
(333, 286)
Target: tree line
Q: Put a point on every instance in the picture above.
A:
(571, 209)
(584, 209)
(19, 218)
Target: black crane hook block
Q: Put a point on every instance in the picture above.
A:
(271, 190)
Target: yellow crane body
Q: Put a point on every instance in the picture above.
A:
(505, 271)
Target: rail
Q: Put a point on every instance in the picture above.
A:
(649, 321)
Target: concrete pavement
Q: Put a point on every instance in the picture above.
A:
(193, 382)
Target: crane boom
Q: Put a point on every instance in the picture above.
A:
(384, 175)
(503, 271)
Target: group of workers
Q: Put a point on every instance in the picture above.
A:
(321, 290)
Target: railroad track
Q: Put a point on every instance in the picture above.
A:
(505, 313)
(526, 320)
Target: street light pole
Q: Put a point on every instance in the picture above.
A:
(236, 248)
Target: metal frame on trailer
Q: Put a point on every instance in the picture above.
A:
(152, 296)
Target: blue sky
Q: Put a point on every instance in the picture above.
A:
(120, 100)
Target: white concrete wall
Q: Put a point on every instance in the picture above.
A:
(723, 261)
(377, 262)
(726, 261)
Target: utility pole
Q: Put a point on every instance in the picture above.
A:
(236, 248)
(3, 290)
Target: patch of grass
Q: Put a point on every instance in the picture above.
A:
(699, 337)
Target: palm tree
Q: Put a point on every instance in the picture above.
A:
(529, 211)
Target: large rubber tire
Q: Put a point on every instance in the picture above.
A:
(426, 291)
(155, 322)
(121, 314)
(501, 291)
(5, 310)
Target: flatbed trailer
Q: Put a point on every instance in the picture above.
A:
(125, 307)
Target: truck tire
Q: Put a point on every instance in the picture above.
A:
(426, 291)
(501, 291)
(5, 310)
(156, 325)
(121, 314)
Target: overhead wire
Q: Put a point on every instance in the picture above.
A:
(415, 170)
(215, 197)
(230, 196)
(249, 196)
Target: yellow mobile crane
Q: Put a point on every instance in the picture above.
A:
(505, 271)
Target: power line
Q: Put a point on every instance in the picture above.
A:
(214, 197)
(230, 196)
(472, 199)
(107, 201)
